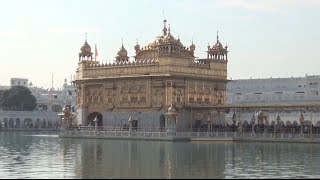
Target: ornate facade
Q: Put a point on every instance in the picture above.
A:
(163, 73)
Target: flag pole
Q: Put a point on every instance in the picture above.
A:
(95, 52)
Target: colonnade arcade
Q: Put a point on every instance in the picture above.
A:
(28, 123)
(272, 118)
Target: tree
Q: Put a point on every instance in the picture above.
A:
(17, 98)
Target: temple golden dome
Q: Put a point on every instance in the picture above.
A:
(218, 45)
(165, 39)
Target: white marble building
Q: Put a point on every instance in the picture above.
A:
(273, 91)
(49, 103)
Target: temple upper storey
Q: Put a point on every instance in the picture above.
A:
(163, 55)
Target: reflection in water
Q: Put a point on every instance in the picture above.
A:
(34, 155)
(148, 159)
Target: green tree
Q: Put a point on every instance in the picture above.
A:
(18, 98)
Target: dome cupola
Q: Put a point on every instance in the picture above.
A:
(122, 55)
(85, 53)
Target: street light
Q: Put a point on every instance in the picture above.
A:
(278, 120)
(130, 123)
(278, 124)
(301, 121)
(234, 118)
(253, 120)
(209, 122)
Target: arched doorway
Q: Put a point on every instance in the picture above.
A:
(27, 123)
(197, 124)
(37, 123)
(50, 124)
(5, 123)
(18, 123)
(11, 123)
(44, 123)
(92, 116)
(135, 124)
(162, 121)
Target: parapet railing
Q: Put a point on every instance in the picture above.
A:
(194, 133)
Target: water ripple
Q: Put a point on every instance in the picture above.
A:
(33, 155)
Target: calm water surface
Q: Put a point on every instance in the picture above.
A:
(38, 155)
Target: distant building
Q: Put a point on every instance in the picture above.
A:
(18, 82)
(49, 103)
(55, 99)
(275, 91)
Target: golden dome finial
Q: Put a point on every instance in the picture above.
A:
(217, 36)
(85, 35)
(164, 27)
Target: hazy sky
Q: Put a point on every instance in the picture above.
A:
(38, 38)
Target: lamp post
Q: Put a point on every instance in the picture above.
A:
(95, 125)
(209, 123)
(311, 126)
(276, 124)
(301, 122)
(130, 124)
(234, 119)
(253, 120)
(240, 125)
(278, 121)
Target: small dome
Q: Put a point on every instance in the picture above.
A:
(137, 47)
(122, 52)
(86, 48)
(192, 47)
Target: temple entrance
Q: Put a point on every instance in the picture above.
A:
(134, 124)
(11, 123)
(43, 125)
(27, 123)
(197, 124)
(5, 123)
(37, 123)
(162, 121)
(18, 123)
(92, 116)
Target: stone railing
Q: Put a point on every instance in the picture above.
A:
(199, 64)
(197, 70)
(146, 62)
(196, 133)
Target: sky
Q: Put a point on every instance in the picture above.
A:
(40, 39)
